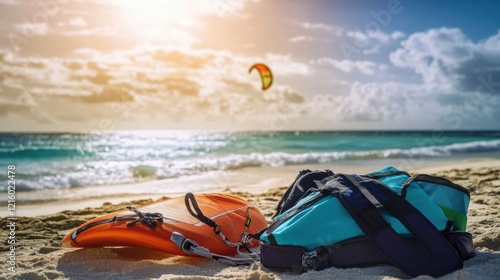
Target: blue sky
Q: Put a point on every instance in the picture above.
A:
(91, 65)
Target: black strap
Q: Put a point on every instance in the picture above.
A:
(353, 252)
(257, 235)
(190, 199)
(148, 218)
(437, 258)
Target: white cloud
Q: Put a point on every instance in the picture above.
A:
(78, 21)
(33, 29)
(99, 31)
(396, 105)
(321, 26)
(384, 38)
(286, 66)
(301, 38)
(340, 82)
(224, 8)
(10, 2)
(450, 65)
(376, 35)
(209, 84)
(447, 60)
(373, 102)
(370, 43)
(364, 66)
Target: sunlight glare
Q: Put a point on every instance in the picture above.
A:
(154, 13)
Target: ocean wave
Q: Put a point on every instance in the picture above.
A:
(445, 150)
(20, 153)
(281, 158)
(119, 172)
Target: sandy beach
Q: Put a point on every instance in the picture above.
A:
(41, 228)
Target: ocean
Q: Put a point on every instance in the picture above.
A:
(65, 160)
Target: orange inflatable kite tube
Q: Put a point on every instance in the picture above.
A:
(151, 226)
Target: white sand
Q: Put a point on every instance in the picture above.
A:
(40, 255)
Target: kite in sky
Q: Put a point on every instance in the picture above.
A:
(265, 74)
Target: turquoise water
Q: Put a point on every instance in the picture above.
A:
(54, 161)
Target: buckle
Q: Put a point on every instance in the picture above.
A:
(186, 245)
(309, 261)
(315, 260)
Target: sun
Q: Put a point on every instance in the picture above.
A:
(153, 20)
(144, 14)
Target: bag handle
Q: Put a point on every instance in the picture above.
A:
(287, 193)
(432, 179)
(301, 187)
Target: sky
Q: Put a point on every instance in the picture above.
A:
(98, 65)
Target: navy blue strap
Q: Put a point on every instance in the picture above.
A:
(362, 189)
(437, 256)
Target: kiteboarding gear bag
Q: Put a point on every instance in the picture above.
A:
(416, 223)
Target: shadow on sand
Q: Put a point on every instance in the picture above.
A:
(131, 263)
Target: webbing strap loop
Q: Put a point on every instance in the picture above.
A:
(246, 237)
(189, 199)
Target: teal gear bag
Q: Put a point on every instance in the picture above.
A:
(321, 223)
(439, 200)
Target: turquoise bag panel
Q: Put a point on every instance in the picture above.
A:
(453, 202)
(327, 217)
(448, 197)
(331, 223)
